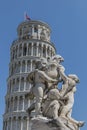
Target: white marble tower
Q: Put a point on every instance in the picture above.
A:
(33, 42)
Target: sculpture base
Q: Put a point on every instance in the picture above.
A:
(42, 123)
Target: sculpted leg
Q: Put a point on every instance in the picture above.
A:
(30, 109)
(38, 92)
(55, 106)
(38, 106)
(64, 111)
(78, 123)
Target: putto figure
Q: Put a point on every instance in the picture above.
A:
(49, 101)
(39, 79)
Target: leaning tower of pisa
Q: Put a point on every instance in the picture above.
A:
(33, 43)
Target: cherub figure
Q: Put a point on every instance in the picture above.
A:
(39, 79)
(68, 91)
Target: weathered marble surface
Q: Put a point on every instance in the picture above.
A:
(50, 124)
(53, 106)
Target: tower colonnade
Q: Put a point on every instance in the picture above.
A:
(18, 102)
(16, 122)
(22, 66)
(32, 49)
(33, 43)
(18, 84)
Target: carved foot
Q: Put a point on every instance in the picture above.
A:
(81, 123)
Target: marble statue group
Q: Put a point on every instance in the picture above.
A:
(50, 101)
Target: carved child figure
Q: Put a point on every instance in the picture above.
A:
(71, 89)
(52, 103)
(39, 79)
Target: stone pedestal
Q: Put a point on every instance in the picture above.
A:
(42, 124)
(46, 124)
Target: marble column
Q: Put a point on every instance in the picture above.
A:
(23, 102)
(37, 49)
(32, 49)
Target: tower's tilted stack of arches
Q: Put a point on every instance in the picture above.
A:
(33, 43)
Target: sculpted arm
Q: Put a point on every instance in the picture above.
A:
(45, 77)
(61, 70)
(31, 76)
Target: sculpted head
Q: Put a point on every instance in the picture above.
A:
(41, 64)
(74, 77)
(58, 58)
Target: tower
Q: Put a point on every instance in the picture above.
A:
(33, 43)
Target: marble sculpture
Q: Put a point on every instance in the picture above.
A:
(52, 106)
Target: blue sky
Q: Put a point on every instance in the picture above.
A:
(68, 21)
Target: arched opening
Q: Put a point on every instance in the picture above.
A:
(24, 50)
(34, 49)
(13, 85)
(33, 65)
(29, 49)
(14, 123)
(39, 51)
(9, 124)
(20, 50)
(48, 51)
(26, 103)
(20, 103)
(28, 66)
(11, 104)
(15, 104)
(22, 84)
(25, 123)
(17, 85)
(44, 51)
(23, 66)
(19, 123)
